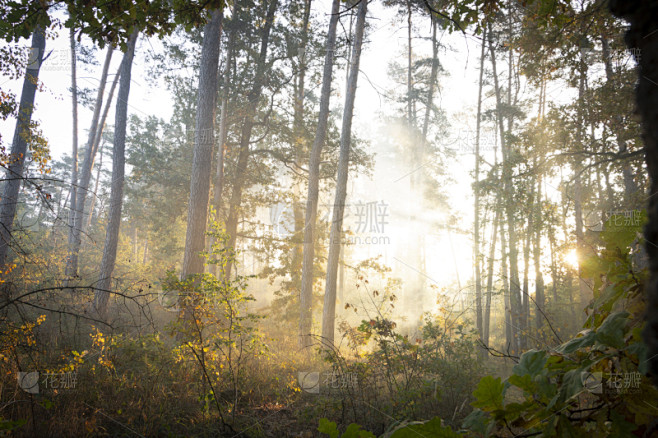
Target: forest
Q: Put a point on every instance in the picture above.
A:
(329, 218)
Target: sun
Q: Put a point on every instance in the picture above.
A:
(571, 258)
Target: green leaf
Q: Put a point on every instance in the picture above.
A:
(328, 428)
(611, 332)
(619, 233)
(430, 429)
(476, 421)
(608, 297)
(639, 349)
(524, 382)
(546, 388)
(620, 427)
(11, 425)
(553, 401)
(572, 384)
(355, 431)
(531, 363)
(515, 410)
(489, 394)
(586, 340)
(565, 428)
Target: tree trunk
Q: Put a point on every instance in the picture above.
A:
(568, 281)
(329, 312)
(204, 139)
(223, 122)
(514, 286)
(618, 127)
(86, 214)
(218, 189)
(419, 176)
(554, 274)
(490, 275)
(94, 197)
(116, 189)
(578, 191)
(434, 72)
(643, 37)
(510, 330)
(85, 176)
(525, 298)
(14, 173)
(134, 243)
(341, 274)
(301, 150)
(74, 146)
(539, 277)
(492, 254)
(410, 115)
(414, 250)
(306, 295)
(476, 203)
(245, 135)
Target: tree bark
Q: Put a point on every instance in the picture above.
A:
(223, 120)
(14, 173)
(510, 330)
(536, 255)
(301, 150)
(568, 280)
(415, 253)
(74, 145)
(410, 114)
(245, 134)
(85, 176)
(618, 126)
(306, 295)
(329, 312)
(584, 295)
(204, 139)
(525, 297)
(86, 214)
(490, 275)
(94, 197)
(554, 273)
(116, 190)
(514, 286)
(643, 36)
(434, 73)
(218, 189)
(476, 194)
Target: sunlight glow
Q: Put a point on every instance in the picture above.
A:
(571, 258)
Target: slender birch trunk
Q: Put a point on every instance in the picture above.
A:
(85, 176)
(14, 173)
(306, 293)
(204, 140)
(329, 312)
(116, 191)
